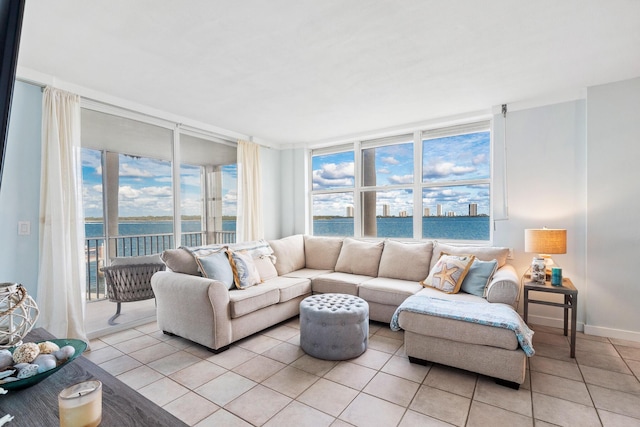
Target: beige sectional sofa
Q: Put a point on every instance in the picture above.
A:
(382, 272)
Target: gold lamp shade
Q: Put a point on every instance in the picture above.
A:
(545, 240)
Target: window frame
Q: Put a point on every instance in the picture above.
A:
(417, 137)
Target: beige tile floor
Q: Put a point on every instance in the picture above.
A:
(268, 380)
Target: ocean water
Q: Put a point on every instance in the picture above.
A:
(455, 228)
(137, 228)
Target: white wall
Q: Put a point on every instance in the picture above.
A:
(20, 191)
(613, 224)
(546, 160)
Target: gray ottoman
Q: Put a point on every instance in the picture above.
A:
(334, 326)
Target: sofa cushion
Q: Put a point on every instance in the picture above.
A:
(449, 272)
(478, 277)
(289, 253)
(248, 300)
(484, 253)
(290, 287)
(406, 261)
(321, 253)
(458, 330)
(308, 273)
(216, 266)
(338, 283)
(245, 273)
(359, 257)
(181, 261)
(387, 291)
(266, 268)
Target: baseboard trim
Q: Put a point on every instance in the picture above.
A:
(551, 322)
(602, 331)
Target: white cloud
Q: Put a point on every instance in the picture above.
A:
(191, 180)
(191, 206)
(443, 169)
(333, 175)
(404, 179)
(390, 160)
(128, 192)
(384, 171)
(133, 172)
(480, 159)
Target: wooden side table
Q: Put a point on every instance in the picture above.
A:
(570, 303)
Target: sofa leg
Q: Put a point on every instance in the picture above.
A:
(168, 333)
(219, 350)
(418, 361)
(509, 384)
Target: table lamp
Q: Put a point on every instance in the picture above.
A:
(546, 242)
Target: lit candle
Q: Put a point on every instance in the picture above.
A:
(81, 405)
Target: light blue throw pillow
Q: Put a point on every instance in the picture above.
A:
(216, 266)
(478, 276)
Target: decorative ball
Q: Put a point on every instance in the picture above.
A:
(48, 347)
(28, 371)
(26, 353)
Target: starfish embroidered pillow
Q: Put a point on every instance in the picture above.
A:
(449, 272)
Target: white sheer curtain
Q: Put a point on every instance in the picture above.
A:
(249, 224)
(61, 277)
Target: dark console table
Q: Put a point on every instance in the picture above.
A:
(122, 406)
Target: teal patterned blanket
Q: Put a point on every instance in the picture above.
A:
(500, 316)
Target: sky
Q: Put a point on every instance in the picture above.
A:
(145, 187)
(448, 159)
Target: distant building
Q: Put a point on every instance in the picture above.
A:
(350, 211)
(473, 209)
(439, 210)
(451, 213)
(427, 212)
(403, 214)
(386, 210)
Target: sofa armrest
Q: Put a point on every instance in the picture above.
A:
(504, 286)
(193, 307)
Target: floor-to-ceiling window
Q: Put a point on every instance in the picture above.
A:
(137, 202)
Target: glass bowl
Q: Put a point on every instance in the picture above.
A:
(78, 345)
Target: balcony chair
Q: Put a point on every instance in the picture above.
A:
(128, 279)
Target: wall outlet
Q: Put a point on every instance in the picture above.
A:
(510, 256)
(24, 228)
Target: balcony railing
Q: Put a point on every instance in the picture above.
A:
(135, 245)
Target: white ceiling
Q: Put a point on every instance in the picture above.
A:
(291, 71)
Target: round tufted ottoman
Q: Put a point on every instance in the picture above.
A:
(334, 326)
